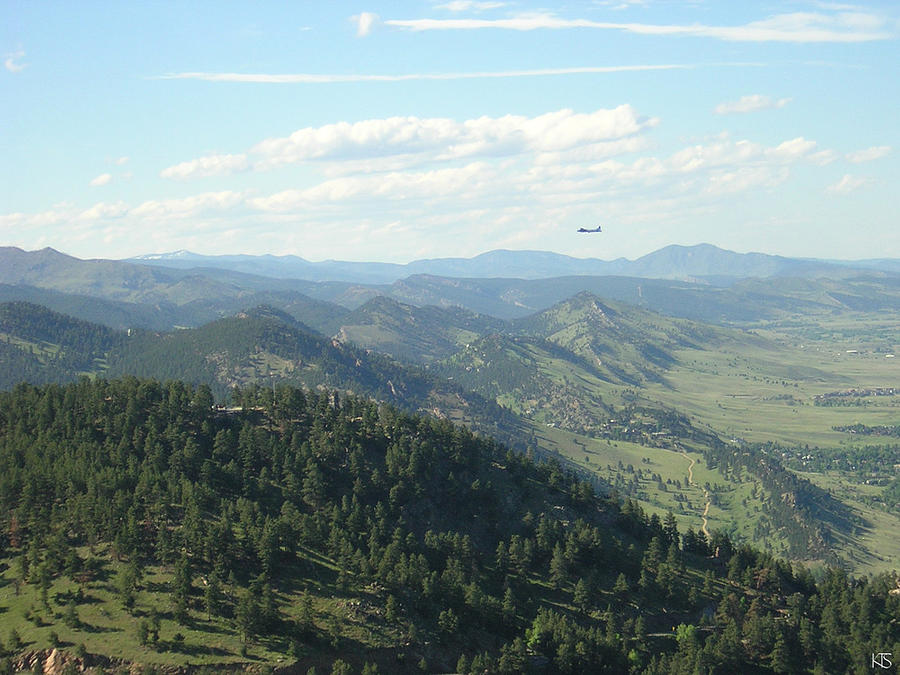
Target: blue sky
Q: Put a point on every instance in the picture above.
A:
(397, 131)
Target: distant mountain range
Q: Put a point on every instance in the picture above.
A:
(701, 262)
(701, 283)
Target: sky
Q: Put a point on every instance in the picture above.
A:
(407, 130)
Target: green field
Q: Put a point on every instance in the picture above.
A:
(758, 387)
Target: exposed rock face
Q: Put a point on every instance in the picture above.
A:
(57, 661)
(53, 661)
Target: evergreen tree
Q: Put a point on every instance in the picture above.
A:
(581, 595)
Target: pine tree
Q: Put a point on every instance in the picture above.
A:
(247, 615)
(509, 605)
(212, 596)
(558, 567)
(581, 595)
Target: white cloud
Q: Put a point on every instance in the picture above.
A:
(121, 161)
(211, 165)
(594, 151)
(15, 222)
(103, 210)
(470, 5)
(745, 178)
(396, 186)
(13, 62)
(399, 142)
(750, 103)
(625, 4)
(837, 6)
(725, 152)
(451, 179)
(364, 21)
(188, 207)
(720, 167)
(796, 27)
(869, 154)
(326, 78)
(102, 179)
(848, 184)
(793, 149)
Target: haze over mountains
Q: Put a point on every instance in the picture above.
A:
(701, 283)
(700, 262)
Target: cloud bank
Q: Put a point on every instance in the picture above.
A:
(513, 178)
(413, 141)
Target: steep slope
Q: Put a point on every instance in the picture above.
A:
(417, 334)
(631, 345)
(535, 378)
(327, 531)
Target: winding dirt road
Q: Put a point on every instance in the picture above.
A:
(705, 493)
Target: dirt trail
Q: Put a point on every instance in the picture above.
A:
(705, 493)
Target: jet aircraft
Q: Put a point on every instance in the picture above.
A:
(584, 229)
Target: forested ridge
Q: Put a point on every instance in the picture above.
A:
(40, 346)
(332, 531)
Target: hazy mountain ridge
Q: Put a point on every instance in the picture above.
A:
(160, 297)
(672, 262)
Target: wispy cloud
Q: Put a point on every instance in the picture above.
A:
(364, 21)
(102, 179)
(211, 165)
(13, 63)
(750, 103)
(622, 4)
(795, 27)
(869, 154)
(848, 184)
(330, 78)
(836, 6)
(470, 6)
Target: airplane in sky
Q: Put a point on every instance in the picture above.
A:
(584, 229)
